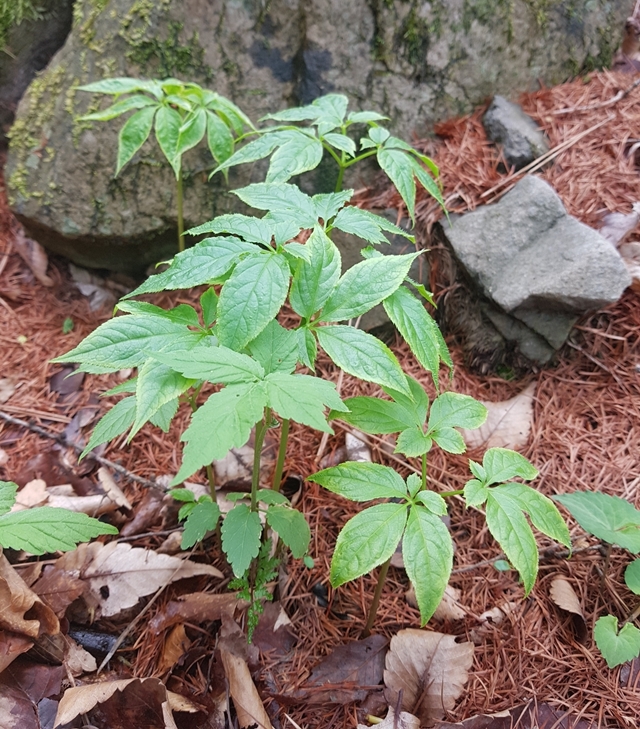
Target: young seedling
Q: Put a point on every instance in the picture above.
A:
(44, 529)
(181, 114)
(615, 522)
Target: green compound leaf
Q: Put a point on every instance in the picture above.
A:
(366, 225)
(425, 179)
(251, 298)
(475, 492)
(375, 416)
(123, 342)
(116, 422)
(300, 153)
(223, 422)
(276, 348)
(209, 304)
(254, 230)
(220, 365)
(219, 138)
(181, 314)
(124, 85)
(413, 442)
(241, 530)
(257, 149)
(449, 440)
(313, 282)
(302, 398)
(632, 576)
(49, 529)
(609, 518)
(192, 131)
(453, 410)
(362, 355)
(542, 511)
(332, 108)
(501, 464)
(134, 133)
(280, 199)
(432, 501)
(511, 530)
(202, 518)
(205, 262)
(157, 386)
(168, 123)
(414, 484)
(328, 204)
(307, 348)
(417, 328)
(341, 142)
(360, 481)
(365, 285)
(269, 497)
(292, 528)
(427, 552)
(185, 495)
(8, 491)
(362, 117)
(417, 405)
(397, 165)
(165, 414)
(366, 541)
(616, 647)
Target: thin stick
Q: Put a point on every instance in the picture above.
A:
(602, 104)
(544, 158)
(59, 438)
(382, 576)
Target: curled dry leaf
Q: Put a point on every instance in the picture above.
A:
(11, 646)
(99, 291)
(196, 607)
(508, 423)
(356, 447)
(616, 226)
(16, 599)
(490, 619)
(449, 607)
(34, 255)
(36, 493)
(564, 596)
(118, 575)
(59, 588)
(7, 388)
(425, 672)
(404, 720)
(111, 488)
(78, 660)
(274, 631)
(249, 708)
(175, 646)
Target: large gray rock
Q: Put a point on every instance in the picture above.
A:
(517, 134)
(416, 62)
(535, 266)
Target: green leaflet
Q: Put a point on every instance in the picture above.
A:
(48, 529)
(257, 149)
(453, 410)
(123, 342)
(206, 261)
(359, 481)
(192, 130)
(116, 86)
(313, 282)
(251, 298)
(8, 491)
(632, 576)
(220, 365)
(280, 197)
(134, 133)
(116, 422)
(300, 153)
(341, 142)
(475, 492)
(417, 328)
(375, 416)
(416, 405)
(609, 518)
(209, 304)
(328, 204)
(276, 348)
(168, 123)
(302, 398)
(427, 552)
(241, 530)
(366, 225)
(307, 348)
(365, 285)
(254, 230)
(509, 527)
(362, 117)
(165, 414)
(449, 440)
(413, 442)
(202, 518)
(157, 385)
(292, 528)
(432, 501)
(181, 314)
(501, 464)
(541, 510)
(223, 422)
(219, 138)
(616, 647)
(362, 355)
(398, 167)
(366, 541)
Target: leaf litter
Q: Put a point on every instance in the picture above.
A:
(584, 429)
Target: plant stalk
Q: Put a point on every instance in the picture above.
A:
(340, 178)
(261, 429)
(382, 576)
(424, 472)
(180, 211)
(282, 452)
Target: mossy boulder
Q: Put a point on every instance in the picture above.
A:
(416, 62)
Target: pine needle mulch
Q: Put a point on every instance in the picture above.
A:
(585, 434)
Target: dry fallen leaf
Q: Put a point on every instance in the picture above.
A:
(118, 575)
(11, 646)
(7, 388)
(404, 720)
(95, 288)
(430, 669)
(175, 646)
(274, 631)
(356, 447)
(508, 423)
(533, 715)
(196, 607)
(449, 607)
(616, 226)
(564, 596)
(23, 691)
(78, 660)
(34, 255)
(36, 493)
(111, 488)
(249, 708)
(59, 588)
(490, 619)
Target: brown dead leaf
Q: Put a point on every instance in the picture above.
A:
(196, 607)
(404, 720)
(7, 388)
(564, 596)
(508, 423)
(526, 716)
(23, 691)
(78, 660)
(491, 619)
(175, 646)
(59, 588)
(66, 382)
(95, 288)
(16, 599)
(146, 513)
(274, 631)
(249, 708)
(430, 669)
(111, 489)
(131, 702)
(356, 447)
(118, 575)
(34, 255)
(11, 646)
(36, 493)
(449, 607)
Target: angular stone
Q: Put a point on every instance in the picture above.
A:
(521, 140)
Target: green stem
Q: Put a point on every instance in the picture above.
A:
(261, 429)
(382, 576)
(424, 471)
(282, 452)
(332, 153)
(370, 153)
(340, 177)
(212, 483)
(180, 213)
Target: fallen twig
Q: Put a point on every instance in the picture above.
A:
(602, 104)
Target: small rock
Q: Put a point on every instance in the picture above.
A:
(506, 124)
